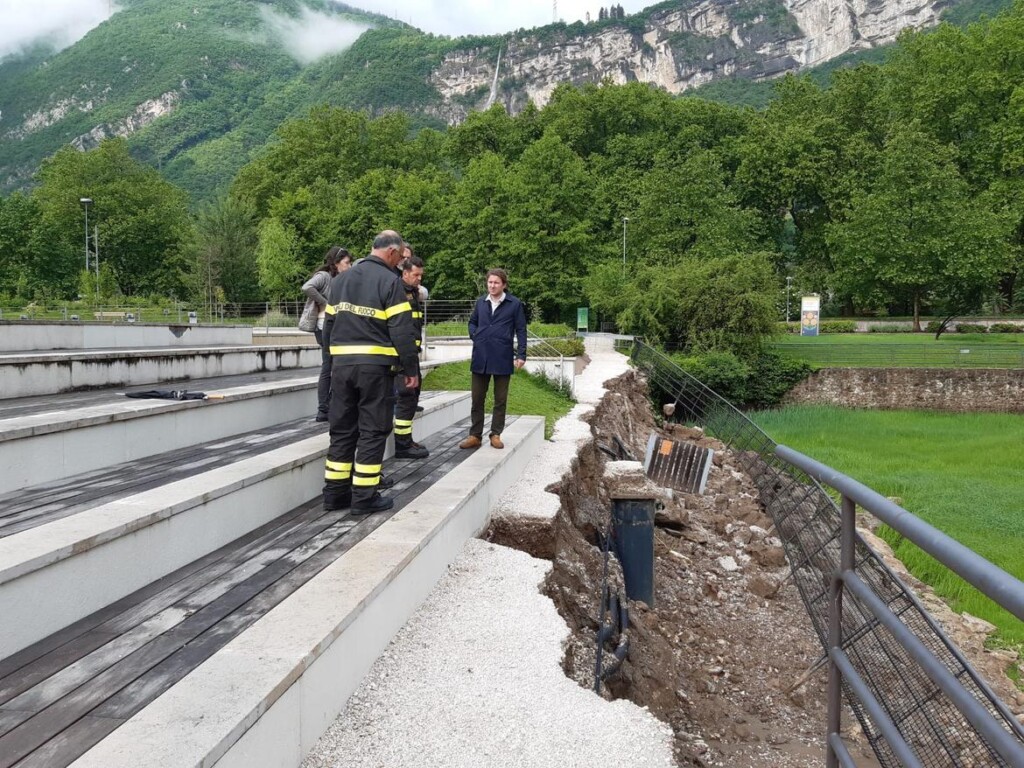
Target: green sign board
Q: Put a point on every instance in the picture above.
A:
(582, 319)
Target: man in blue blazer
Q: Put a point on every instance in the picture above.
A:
(498, 320)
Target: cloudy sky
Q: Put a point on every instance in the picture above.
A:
(62, 22)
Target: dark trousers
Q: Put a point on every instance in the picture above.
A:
(362, 409)
(405, 409)
(323, 387)
(479, 388)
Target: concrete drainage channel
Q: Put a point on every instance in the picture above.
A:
(725, 655)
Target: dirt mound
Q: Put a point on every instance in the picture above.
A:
(724, 653)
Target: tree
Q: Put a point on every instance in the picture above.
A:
(277, 261)
(220, 259)
(24, 268)
(141, 218)
(917, 234)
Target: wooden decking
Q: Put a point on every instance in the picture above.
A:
(62, 695)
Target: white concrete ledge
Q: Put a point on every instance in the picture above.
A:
(269, 694)
(47, 373)
(42, 447)
(88, 560)
(29, 336)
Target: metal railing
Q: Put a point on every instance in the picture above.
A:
(998, 585)
(876, 666)
(945, 354)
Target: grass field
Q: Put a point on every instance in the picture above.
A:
(959, 472)
(528, 394)
(954, 350)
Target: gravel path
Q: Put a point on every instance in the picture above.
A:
(475, 677)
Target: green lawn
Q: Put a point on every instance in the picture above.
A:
(954, 350)
(959, 472)
(528, 395)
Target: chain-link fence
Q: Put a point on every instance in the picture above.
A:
(807, 521)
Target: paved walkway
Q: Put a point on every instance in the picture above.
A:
(475, 678)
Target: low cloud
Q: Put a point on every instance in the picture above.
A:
(55, 23)
(312, 35)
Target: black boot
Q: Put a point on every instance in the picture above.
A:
(377, 503)
(335, 499)
(407, 449)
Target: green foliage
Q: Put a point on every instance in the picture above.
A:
(140, 218)
(958, 472)
(757, 381)
(550, 330)
(837, 326)
(567, 347)
(971, 328)
(276, 260)
(1006, 328)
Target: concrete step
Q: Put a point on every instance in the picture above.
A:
(27, 374)
(245, 657)
(27, 336)
(86, 541)
(42, 439)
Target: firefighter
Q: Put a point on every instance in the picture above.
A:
(371, 336)
(408, 399)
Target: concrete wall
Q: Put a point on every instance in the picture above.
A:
(47, 374)
(955, 390)
(32, 337)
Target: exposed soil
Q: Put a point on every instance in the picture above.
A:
(723, 654)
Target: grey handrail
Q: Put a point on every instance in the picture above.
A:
(991, 580)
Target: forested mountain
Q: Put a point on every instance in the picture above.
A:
(198, 88)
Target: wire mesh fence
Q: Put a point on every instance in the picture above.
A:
(807, 521)
(945, 354)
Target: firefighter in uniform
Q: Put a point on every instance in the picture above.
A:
(372, 334)
(409, 398)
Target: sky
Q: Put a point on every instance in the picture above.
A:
(63, 22)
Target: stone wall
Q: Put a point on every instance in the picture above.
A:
(956, 390)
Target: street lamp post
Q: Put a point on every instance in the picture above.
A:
(86, 202)
(625, 220)
(789, 285)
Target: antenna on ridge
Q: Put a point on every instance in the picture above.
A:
(554, 11)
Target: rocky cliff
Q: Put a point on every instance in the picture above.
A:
(676, 47)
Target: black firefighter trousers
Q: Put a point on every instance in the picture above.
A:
(405, 409)
(360, 418)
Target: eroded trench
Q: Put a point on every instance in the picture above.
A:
(726, 655)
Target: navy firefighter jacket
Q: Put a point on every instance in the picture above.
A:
(493, 335)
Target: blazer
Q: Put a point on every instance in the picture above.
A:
(493, 335)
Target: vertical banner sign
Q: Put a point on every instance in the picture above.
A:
(582, 319)
(810, 307)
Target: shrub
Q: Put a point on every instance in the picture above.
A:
(971, 328)
(933, 326)
(890, 328)
(837, 326)
(1005, 328)
(550, 330)
(771, 376)
(567, 347)
(722, 372)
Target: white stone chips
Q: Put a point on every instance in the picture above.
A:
(475, 677)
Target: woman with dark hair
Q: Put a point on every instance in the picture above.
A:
(336, 261)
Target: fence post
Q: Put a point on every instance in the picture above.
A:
(835, 627)
(266, 318)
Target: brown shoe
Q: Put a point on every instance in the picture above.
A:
(496, 441)
(471, 442)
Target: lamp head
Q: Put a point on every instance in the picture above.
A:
(85, 201)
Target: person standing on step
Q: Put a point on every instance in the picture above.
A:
(408, 399)
(498, 321)
(372, 334)
(336, 261)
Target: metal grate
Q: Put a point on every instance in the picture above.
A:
(808, 522)
(681, 466)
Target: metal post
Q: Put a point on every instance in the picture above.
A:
(835, 627)
(789, 285)
(633, 526)
(96, 257)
